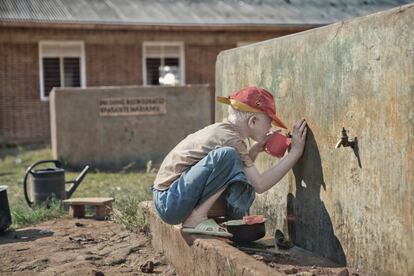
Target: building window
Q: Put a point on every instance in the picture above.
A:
(62, 64)
(163, 63)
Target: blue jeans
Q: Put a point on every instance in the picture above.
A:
(220, 168)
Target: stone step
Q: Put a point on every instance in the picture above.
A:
(199, 254)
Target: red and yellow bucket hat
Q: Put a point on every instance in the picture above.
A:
(254, 99)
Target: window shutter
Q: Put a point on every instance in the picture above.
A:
(153, 74)
(51, 74)
(71, 70)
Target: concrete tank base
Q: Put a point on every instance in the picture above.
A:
(204, 255)
(195, 255)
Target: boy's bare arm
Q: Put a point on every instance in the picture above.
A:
(266, 180)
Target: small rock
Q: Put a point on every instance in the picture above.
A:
(80, 258)
(148, 267)
(83, 239)
(163, 260)
(114, 238)
(258, 257)
(343, 272)
(35, 265)
(268, 259)
(291, 270)
(93, 258)
(117, 261)
(97, 272)
(45, 232)
(78, 224)
(306, 273)
(135, 248)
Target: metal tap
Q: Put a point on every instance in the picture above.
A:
(345, 141)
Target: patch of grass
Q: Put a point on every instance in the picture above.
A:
(128, 188)
(22, 216)
(129, 213)
(230, 268)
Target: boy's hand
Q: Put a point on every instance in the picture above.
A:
(298, 138)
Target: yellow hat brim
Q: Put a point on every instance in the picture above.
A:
(238, 105)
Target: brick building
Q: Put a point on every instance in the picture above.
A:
(85, 43)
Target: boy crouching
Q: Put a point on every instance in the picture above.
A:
(215, 162)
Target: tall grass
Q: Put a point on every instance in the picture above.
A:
(128, 188)
(21, 216)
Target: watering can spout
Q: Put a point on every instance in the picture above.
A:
(76, 182)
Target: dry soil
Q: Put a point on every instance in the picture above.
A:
(79, 247)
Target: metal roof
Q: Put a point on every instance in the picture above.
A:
(190, 12)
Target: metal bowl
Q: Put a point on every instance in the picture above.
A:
(245, 232)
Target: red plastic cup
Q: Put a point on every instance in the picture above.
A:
(277, 145)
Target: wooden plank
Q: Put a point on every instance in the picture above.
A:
(89, 200)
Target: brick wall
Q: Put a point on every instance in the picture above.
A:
(112, 58)
(115, 64)
(201, 62)
(23, 117)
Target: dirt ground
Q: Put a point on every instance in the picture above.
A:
(89, 247)
(295, 261)
(79, 247)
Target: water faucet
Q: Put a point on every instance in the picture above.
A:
(345, 141)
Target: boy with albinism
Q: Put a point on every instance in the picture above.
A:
(215, 162)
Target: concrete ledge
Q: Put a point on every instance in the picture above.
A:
(200, 255)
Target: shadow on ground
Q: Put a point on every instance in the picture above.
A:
(24, 235)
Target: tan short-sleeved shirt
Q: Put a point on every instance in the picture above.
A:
(195, 147)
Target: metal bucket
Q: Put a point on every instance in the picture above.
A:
(5, 216)
(47, 183)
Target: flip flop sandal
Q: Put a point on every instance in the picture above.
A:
(208, 227)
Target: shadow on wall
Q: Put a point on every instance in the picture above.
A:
(311, 226)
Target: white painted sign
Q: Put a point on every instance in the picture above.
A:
(132, 106)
